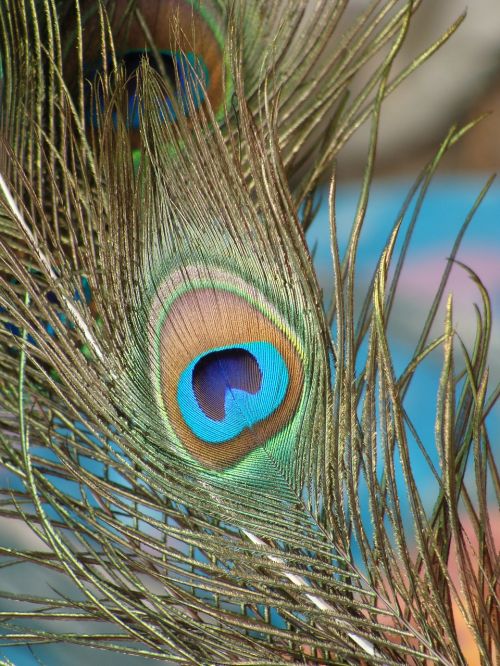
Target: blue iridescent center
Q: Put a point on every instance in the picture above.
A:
(227, 389)
(187, 73)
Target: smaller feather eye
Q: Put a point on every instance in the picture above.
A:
(180, 39)
(186, 74)
(228, 374)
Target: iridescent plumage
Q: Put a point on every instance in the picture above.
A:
(192, 442)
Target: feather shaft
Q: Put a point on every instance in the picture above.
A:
(320, 603)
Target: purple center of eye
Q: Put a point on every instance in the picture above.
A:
(221, 371)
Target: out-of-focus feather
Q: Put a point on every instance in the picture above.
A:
(296, 60)
(191, 444)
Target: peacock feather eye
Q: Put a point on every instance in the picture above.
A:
(227, 370)
(180, 39)
(187, 74)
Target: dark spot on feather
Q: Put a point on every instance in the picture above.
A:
(222, 371)
(186, 73)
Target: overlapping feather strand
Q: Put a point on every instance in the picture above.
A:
(299, 57)
(190, 443)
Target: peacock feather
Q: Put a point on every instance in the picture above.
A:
(212, 461)
(295, 60)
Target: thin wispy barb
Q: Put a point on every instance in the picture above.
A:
(286, 541)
